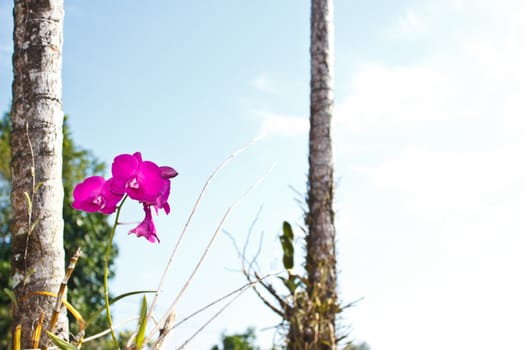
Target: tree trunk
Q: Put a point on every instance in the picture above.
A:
(319, 327)
(36, 146)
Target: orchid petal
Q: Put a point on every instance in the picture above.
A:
(168, 172)
(124, 167)
(93, 195)
(146, 228)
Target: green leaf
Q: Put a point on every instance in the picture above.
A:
(29, 202)
(37, 187)
(114, 300)
(287, 245)
(289, 283)
(287, 230)
(28, 276)
(61, 343)
(33, 225)
(11, 296)
(288, 261)
(139, 339)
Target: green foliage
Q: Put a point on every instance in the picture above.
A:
(287, 245)
(243, 341)
(303, 305)
(85, 288)
(293, 281)
(5, 239)
(143, 321)
(59, 342)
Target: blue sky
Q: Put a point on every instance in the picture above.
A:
(428, 137)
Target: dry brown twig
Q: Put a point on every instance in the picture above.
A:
(251, 268)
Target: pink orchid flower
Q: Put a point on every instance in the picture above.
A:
(141, 180)
(94, 195)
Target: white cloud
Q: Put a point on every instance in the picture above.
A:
(409, 24)
(384, 97)
(422, 18)
(500, 58)
(498, 61)
(514, 113)
(263, 83)
(468, 71)
(443, 236)
(281, 124)
(431, 183)
(451, 252)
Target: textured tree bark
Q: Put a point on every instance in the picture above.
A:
(36, 143)
(319, 327)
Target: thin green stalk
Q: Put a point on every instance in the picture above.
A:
(106, 273)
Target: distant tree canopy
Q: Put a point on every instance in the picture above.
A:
(243, 341)
(89, 232)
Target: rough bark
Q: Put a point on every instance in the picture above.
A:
(319, 327)
(36, 144)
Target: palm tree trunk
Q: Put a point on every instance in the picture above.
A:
(320, 242)
(36, 144)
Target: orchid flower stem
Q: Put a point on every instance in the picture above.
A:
(106, 272)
